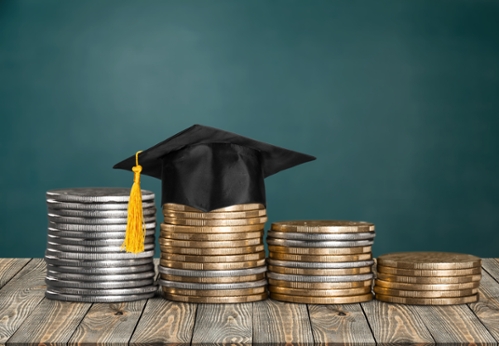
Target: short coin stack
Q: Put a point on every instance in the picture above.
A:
(84, 259)
(320, 262)
(428, 278)
(213, 257)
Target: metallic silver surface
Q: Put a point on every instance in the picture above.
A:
(320, 265)
(320, 244)
(94, 220)
(97, 256)
(97, 299)
(97, 213)
(100, 277)
(53, 204)
(196, 286)
(92, 242)
(55, 282)
(319, 278)
(104, 291)
(101, 271)
(54, 260)
(321, 236)
(91, 249)
(93, 228)
(95, 194)
(93, 234)
(212, 273)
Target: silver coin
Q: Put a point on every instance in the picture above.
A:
(321, 236)
(103, 264)
(95, 194)
(53, 204)
(92, 242)
(97, 299)
(97, 213)
(320, 278)
(55, 282)
(101, 271)
(320, 265)
(92, 249)
(93, 234)
(212, 273)
(93, 228)
(95, 221)
(104, 292)
(97, 256)
(196, 286)
(100, 277)
(322, 244)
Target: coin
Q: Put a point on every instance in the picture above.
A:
(212, 273)
(51, 259)
(427, 301)
(212, 266)
(215, 251)
(210, 236)
(214, 293)
(94, 221)
(318, 244)
(100, 277)
(320, 265)
(320, 251)
(323, 272)
(93, 235)
(90, 249)
(231, 286)
(322, 300)
(55, 282)
(91, 242)
(212, 216)
(424, 294)
(53, 204)
(97, 299)
(213, 280)
(94, 228)
(321, 236)
(222, 222)
(216, 300)
(320, 285)
(210, 244)
(104, 292)
(236, 207)
(210, 229)
(320, 278)
(213, 259)
(427, 287)
(97, 213)
(323, 226)
(102, 271)
(97, 256)
(95, 195)
(428, 279)
(428, 272)
(320, 258)
(429, 260)
(321, 292)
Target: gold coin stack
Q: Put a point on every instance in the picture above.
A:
(428, 278)
(213, 257)
(320, 262)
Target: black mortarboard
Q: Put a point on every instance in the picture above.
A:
(207, 168)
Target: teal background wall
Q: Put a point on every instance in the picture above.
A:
(399, 101)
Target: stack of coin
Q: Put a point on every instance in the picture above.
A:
(320, 262)
(213, 257)
(85, 262)
(428, 278)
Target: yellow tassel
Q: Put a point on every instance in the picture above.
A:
(135, 228)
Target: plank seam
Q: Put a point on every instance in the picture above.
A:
(76, 328)
(310, 322)
(368, 323)
(24, 321)
(468, 305)
(138, 321)
(492, 276)
(194, 326)
(12, 277)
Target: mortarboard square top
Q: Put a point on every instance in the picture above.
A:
(207, 168)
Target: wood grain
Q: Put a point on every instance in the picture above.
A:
(223, 324)
(491, 266)
(340, 324)
(10, 267)
(281, 323)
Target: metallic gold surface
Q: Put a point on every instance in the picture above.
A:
(322, 226)
(236, 207)
(213, 280)
(320, 292)
(211, 252)
(321, 285)
(216, 300)
(214, 293)
(212, 266)
(320, 258)
(429, 260)
(211, 229)
(320, 251)
(322, 300)
(429, 279)
(426, 287)
(222, 222)
(307, 271)
(213, 259)
(210, 244)
(424, 294)
(427, 301)
(212, 216)
(210, 236)
(428, 272)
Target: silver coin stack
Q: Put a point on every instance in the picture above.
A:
(320, 262)
(85, 262)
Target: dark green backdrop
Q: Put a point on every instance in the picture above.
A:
(399, 101)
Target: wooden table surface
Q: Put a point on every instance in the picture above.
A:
(26, 317)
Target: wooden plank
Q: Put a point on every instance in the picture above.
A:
(10, 267)
(20, 296)
(52, 322)
(492, 267)
(222, 324)
(281, 323)
(340, 324)
(108, 323)
(165, 322)
(396, 324)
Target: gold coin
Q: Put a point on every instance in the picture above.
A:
(319, 293)
(322, 300)
(210, 244)
(320, 258)
(428, 279)
(214, 280)
(222, 222)
(427, 301)
(210, 229)
(424, 294)
(212, 266)
(214, 293)
(323, 226)
(426, 287)
(236, 207)
(428, 272)
(213, 259)
(212, 216)
(216, 300)
(320, 251)
(321, 285)
(210, 236)
(309, 271)
(213, 251)
(429, 260)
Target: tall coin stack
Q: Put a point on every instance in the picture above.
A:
(84, 259)
(320, 262)
(428, 278)
(213, 257)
